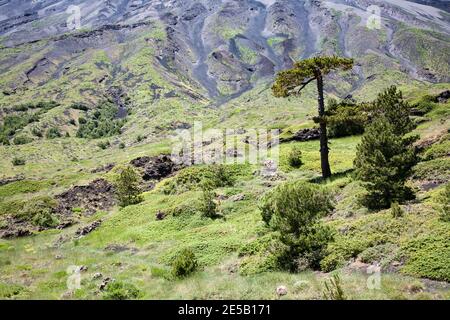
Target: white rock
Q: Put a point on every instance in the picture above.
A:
(282, 291)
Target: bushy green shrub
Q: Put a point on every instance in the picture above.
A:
(346, 118)
(140, 138)
(8, 291)
(127, 185)
(295, 157)
(53, 133)
(20, 140)
(208, 207)
(82, 120)
(333, 289)
(396, 210)
(118, 290)
(39, 212)
(79, 106)
(192, 178)
(16, 122)
(438, 150)
(443, 203)
(4, 140)
(294, 210)
(104, 145)
(18, 161)
(37, 132)
(185, 263)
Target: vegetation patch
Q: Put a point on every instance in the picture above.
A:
(101, 122)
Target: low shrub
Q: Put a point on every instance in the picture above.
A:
(208, 207)
(20, 140)
(294, 210)
(396, 210)
(104, 145)
(294, 157)
(438, 150)
(185, 263)
(333, 289)
(346, 118)
(118, 290)
(53, 133)
(443, 204)
(79, 106)
(37, 132)
(39, 212)
(192, 178)
(18, 162)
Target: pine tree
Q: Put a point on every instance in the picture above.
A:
(383, 162)
(293, 81)
(391, 105)
(127, 187)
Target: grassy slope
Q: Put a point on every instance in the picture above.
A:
(30, 269)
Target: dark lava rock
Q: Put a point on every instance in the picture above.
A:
(6, 181)
(417, 112)
(98, 195)
(156, 168)
(88, 229)
(105, 168)
(160, 215)
(15, 233)
(105, 282)
(305, 135)
(443, 96)
(117, 248)
(193, 12)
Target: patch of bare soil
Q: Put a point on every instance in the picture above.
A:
(96, 196)
(156, 168)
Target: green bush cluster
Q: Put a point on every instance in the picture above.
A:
(294, 210)
(208, 207)
(184, 264)
(438, 150)
(443, 203)
(346, 118)
(39, 212)
(396, 210)
(22, 139)
(101, 122)
(294, 157)
(118, 290)
(53, 133)
(192, 178)
(16, 122)
(104, 145)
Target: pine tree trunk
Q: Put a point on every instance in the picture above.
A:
(324, 151)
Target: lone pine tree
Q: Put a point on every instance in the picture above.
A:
(127, 187)
(293, 81)
(383, 162)
(390, 104)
